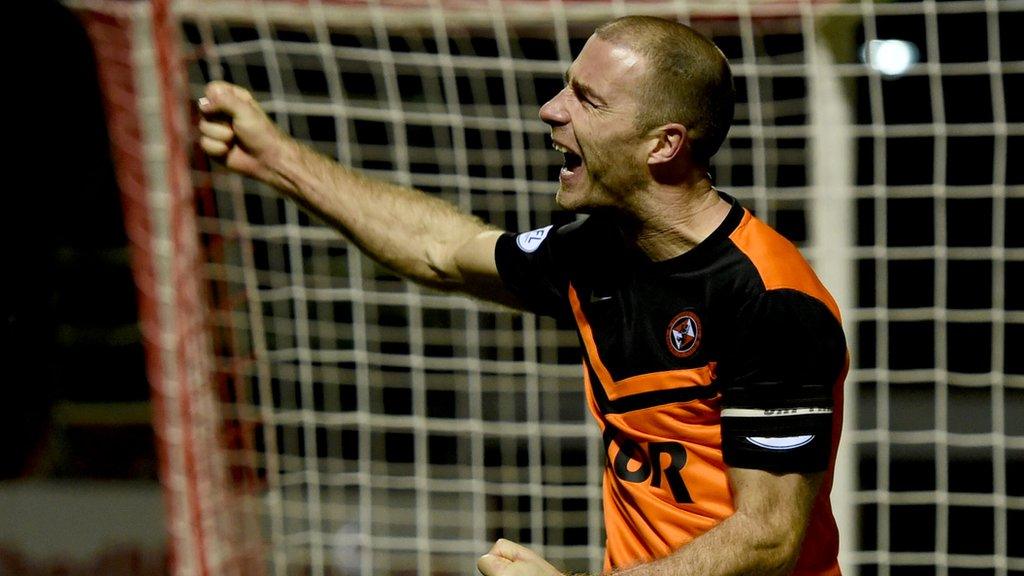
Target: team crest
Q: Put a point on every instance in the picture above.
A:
(683, 334)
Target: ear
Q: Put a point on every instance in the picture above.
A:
(668, 142)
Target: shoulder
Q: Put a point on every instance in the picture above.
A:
(575, 232)
(587, 229)
(778, 262)
(586, 242)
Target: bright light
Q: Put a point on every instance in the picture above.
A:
(890, 57)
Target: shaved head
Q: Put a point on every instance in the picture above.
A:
(687, 81)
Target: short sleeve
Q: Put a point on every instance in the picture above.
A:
(531, 266)
(778, 384)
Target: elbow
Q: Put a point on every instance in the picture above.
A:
(421, 268)
(777, 549)
(782, 559)
(779, 553)
(466, 258)
(440, 268)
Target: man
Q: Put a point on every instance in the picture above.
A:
(713, 357)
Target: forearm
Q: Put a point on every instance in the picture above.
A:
(738, 546)
(411, 232)
(762, 538)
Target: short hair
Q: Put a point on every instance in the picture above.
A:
(688, 79)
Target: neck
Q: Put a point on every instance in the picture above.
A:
(670, 220)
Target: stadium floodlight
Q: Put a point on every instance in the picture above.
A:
(890, 57)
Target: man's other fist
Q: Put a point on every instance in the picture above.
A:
(506, 558)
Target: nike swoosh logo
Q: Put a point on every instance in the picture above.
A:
(595, 298)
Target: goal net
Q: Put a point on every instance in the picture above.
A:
(318, 415)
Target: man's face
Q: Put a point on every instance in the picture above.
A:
(592, 123)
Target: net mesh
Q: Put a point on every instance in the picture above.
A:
(414, 427)
(376, 427)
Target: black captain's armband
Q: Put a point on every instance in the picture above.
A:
(778, 384)
(778, 440)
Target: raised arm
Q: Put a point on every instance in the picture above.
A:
(422, 238)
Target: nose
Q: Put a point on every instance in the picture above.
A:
(553, 111)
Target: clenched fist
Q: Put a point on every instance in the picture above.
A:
(236, 131)
(506, 558)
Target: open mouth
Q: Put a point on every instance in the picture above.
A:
(571, 160)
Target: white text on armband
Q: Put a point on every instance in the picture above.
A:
(772, 412)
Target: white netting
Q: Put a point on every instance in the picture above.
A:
(380, 428)
(941, 436)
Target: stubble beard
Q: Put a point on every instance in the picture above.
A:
(608, 184)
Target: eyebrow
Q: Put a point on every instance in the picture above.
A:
(580, 87)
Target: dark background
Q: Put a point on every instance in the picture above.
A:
(75, 392)
(76, 397)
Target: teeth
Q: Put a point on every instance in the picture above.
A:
(560, 148)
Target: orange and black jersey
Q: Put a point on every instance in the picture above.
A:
(731, 354)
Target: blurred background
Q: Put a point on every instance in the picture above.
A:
(339, 409)
(79, 490)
